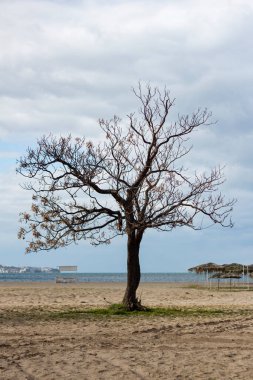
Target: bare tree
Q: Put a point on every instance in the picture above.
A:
(131, 182)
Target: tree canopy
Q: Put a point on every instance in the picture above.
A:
(132, 181)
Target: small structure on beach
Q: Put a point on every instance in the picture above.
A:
(224, 268)
(64, 279)
(206, 268)
(224, 271)
(228, 275)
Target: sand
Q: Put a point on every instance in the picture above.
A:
(120, 347)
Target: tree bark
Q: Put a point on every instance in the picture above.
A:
(133, 273)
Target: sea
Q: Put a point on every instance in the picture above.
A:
(110, 277)
(99, 277)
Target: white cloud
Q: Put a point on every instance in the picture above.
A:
(11, 195)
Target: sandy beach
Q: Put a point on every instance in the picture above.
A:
(35, 346)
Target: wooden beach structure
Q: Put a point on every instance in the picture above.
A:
(65, 279)
(228, 275)
(224, 271)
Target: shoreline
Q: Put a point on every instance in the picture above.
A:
(176, 284)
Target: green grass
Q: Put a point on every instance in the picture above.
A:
(116, 310)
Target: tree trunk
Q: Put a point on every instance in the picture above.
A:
(133, 273)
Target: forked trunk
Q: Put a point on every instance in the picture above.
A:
(133, 273)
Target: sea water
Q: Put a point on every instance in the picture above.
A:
(108, 277)
(100, 277)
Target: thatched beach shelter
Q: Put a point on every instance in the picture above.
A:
(224, 268)
(249, 268)
(206, 268)
(230, 271)
(233, 268)
(229, 275)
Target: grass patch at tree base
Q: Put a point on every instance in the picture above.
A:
(117, 310)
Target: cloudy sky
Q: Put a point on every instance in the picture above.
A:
(64, 64)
